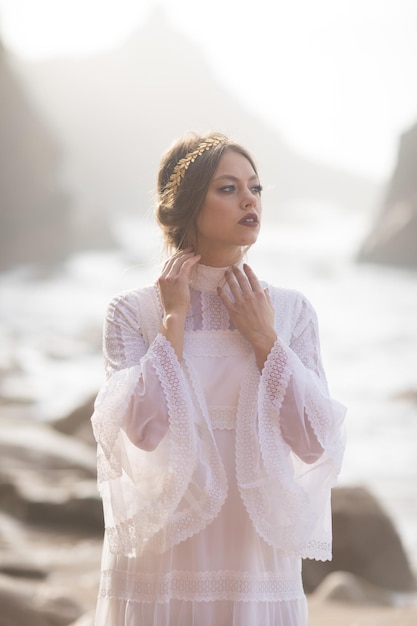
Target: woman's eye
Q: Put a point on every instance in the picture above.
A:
(257, 189)
(227, 188)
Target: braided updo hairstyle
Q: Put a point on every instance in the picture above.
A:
(177, 210)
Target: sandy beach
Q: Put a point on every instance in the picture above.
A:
(343, 614)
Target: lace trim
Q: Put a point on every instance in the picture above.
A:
(262, 464)
(200, 586)
(223, 417)
(326, 417)
(146, 519)
(276, 375)
(190, 457)
(214, 313)
(110, 406)
(216, 343)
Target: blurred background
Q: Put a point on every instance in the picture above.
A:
(321, 92)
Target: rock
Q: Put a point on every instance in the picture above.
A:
(78, 507)
(393, 238)
(346, 587)
(77, 423)
(408, 395)
(22, 570)
(48, 479)
(51, 526)
(35, 500)
(37, 448)
(26, 603)
(365, 543)
(85, 620)
(35, 217)
(47, 560)
(17, 553)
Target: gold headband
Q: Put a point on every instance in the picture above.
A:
(183, 164)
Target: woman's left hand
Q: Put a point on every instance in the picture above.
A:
(250, 310)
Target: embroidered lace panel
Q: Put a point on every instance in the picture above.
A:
(223, 417)
(200, 586)
(216, 343)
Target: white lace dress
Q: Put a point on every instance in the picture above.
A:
(228, 483)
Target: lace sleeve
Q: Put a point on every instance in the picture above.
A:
(153, 495)
(310, 389)
(133, 388)
(301, 438)
(123, 342)
(294, 383)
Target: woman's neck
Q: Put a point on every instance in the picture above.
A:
(220, 258)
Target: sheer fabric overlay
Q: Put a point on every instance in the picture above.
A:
(215, 477)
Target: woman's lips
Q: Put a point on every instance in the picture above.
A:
(250, 219)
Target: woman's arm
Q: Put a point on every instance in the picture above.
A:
(294, 379)
(145, 416)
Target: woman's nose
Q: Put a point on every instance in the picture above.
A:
(249, 199)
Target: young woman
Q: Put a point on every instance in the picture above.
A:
(218, 441)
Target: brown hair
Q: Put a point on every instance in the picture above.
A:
(177, 213)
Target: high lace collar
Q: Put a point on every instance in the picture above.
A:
(207, 278)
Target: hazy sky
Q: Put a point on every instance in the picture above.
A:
(336, 77)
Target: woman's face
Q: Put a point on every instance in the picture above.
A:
(230, 216)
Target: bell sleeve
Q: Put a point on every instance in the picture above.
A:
(301, 443)
(151, 458)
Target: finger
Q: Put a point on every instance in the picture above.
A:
(252, 278)
(174, 263)
(188, 264)
(233, 284)
(242, 280)
(224, 298)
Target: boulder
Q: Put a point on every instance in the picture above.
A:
(49, 479)
(25, 603)
(407, 395)
(85, 620)
(77, 506)
(77, 422)
(393, 237)
(346, 587)
(35, 211)
(35, 447)
(365, 543)
(45, 561)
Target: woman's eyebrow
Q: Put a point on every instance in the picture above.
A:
(231, 177)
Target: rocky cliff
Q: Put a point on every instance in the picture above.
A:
(33, 208)
(393, 239)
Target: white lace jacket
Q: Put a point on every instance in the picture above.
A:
(160, 470)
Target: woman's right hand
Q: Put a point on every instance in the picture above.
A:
(174, 282)
(174, 287)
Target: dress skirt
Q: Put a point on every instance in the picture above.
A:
(224, 575)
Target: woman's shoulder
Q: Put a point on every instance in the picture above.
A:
(131, 300)
(286, 295)
(292, 307)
